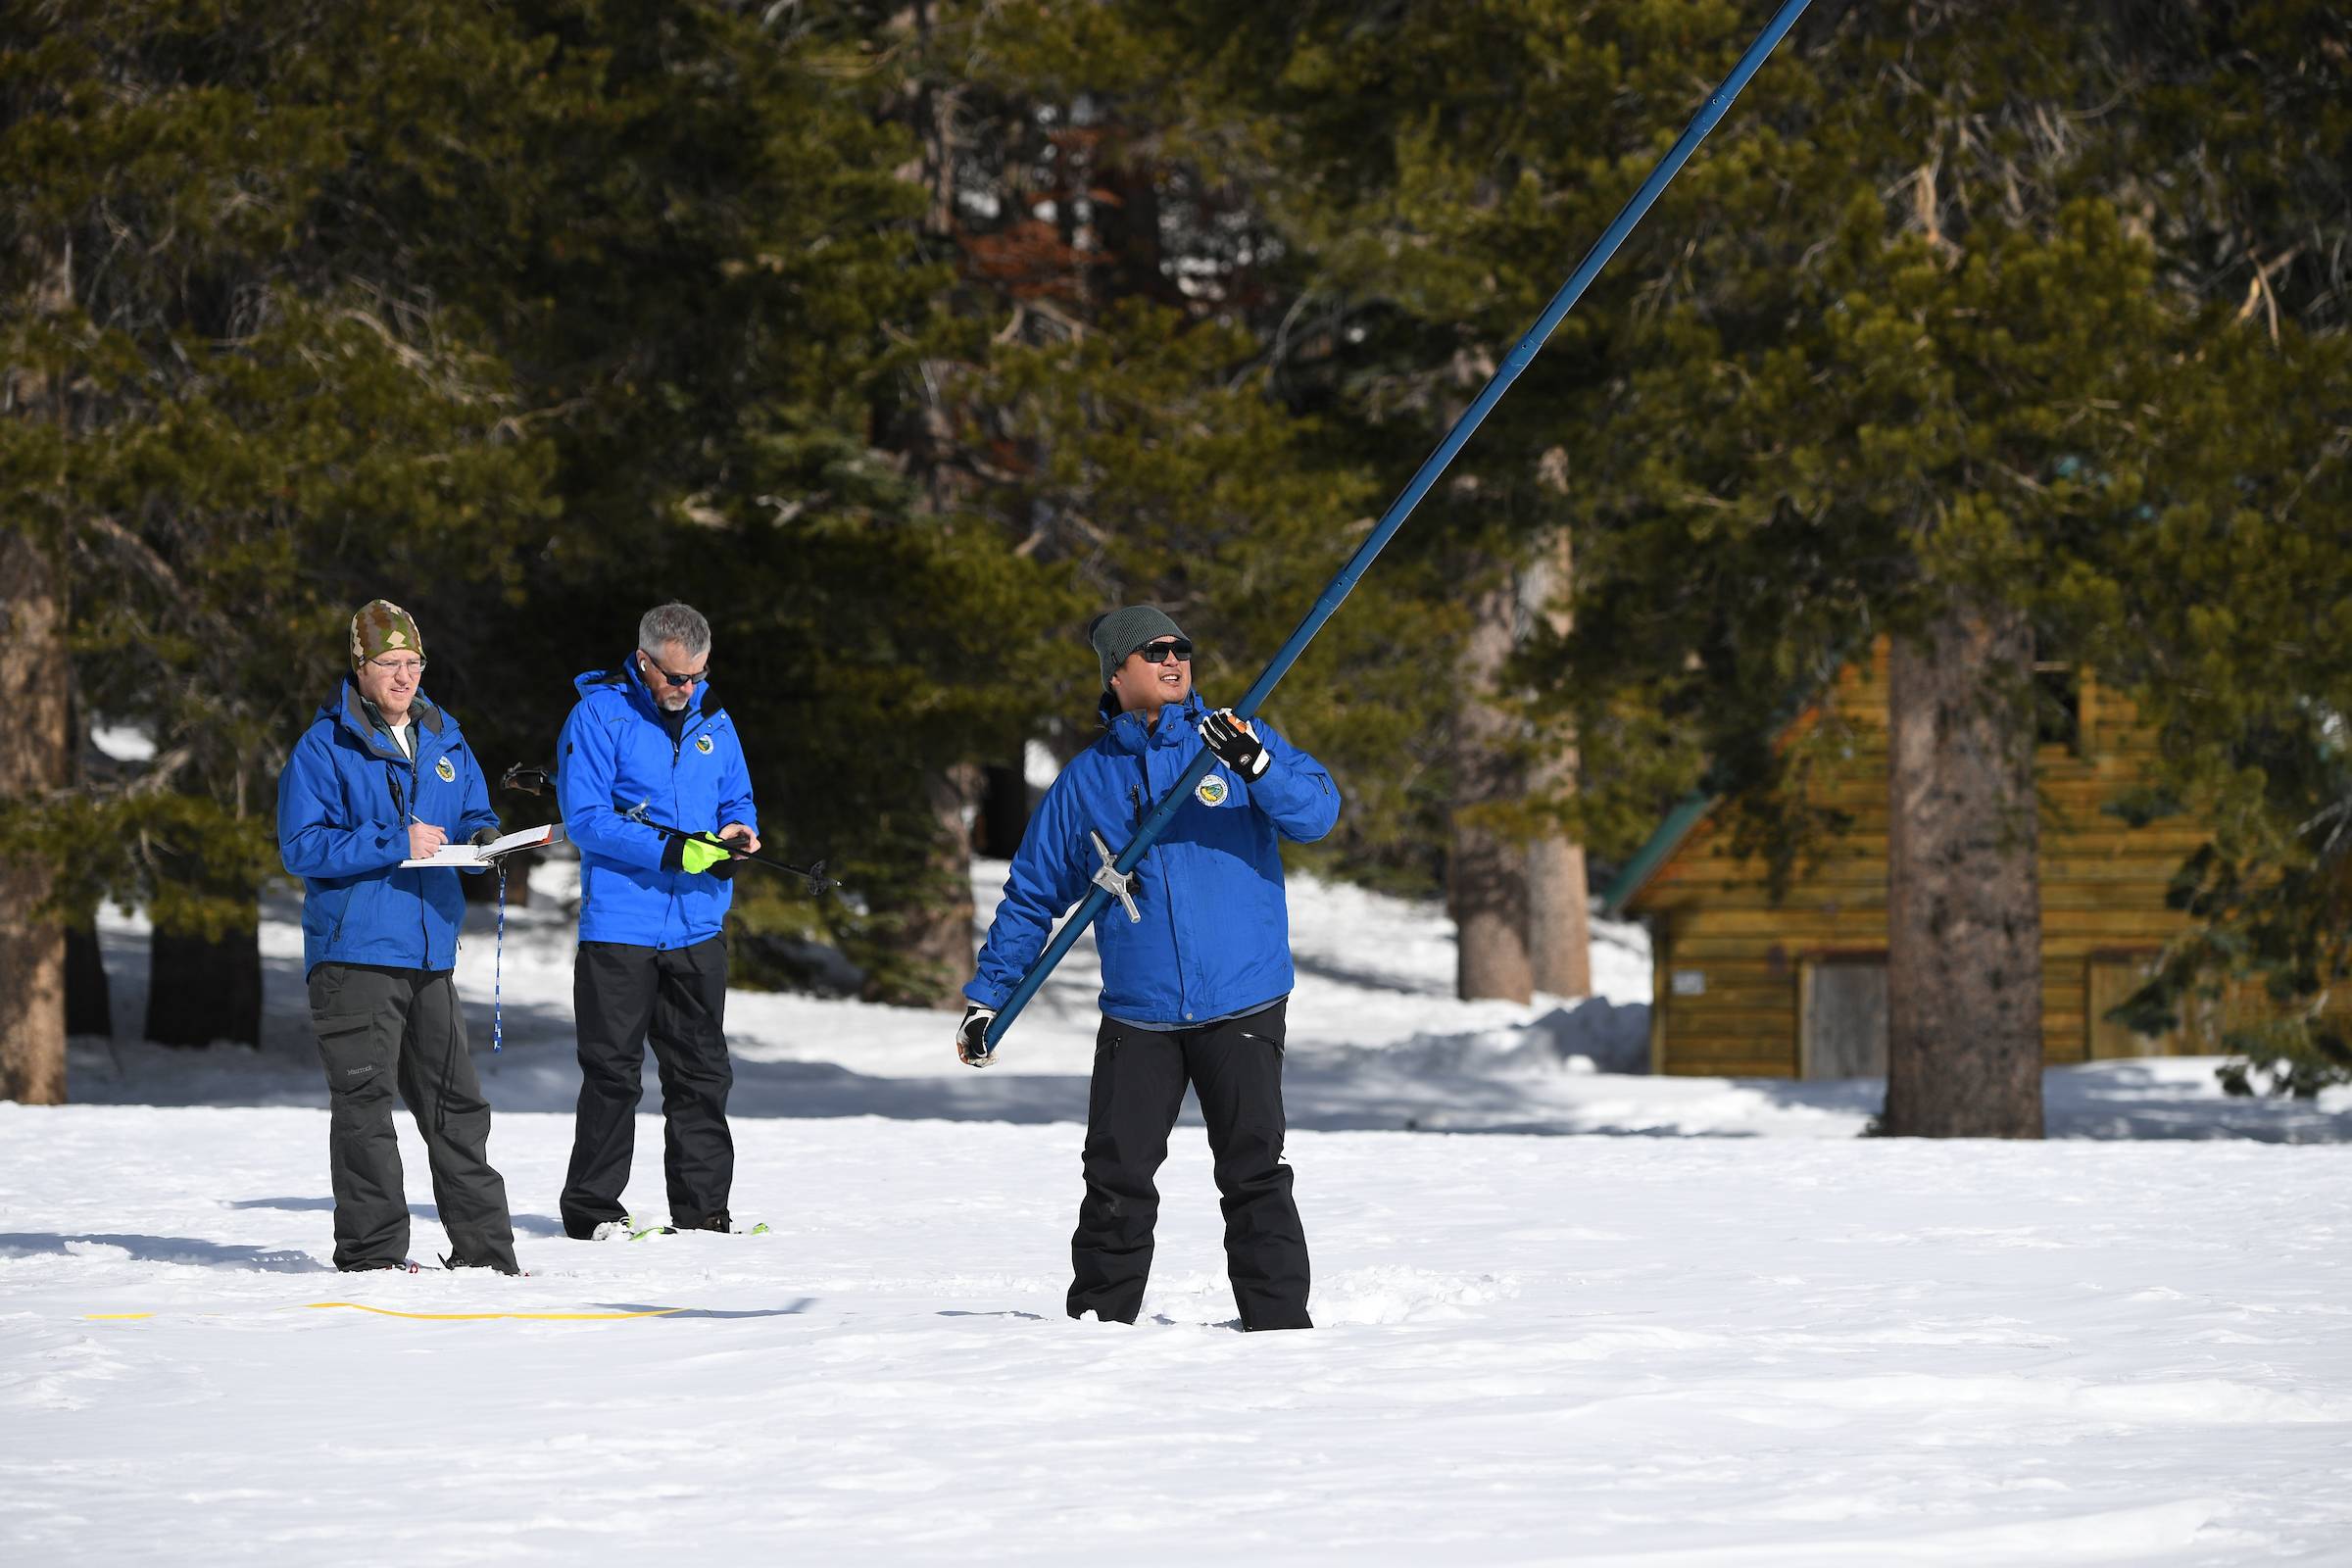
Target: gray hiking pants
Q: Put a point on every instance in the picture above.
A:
(376, 1028)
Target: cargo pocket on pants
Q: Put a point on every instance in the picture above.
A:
(346, 1049)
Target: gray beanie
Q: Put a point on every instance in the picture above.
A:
(1121, 632)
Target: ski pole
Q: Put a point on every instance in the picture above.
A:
(536, 781)
(1148, 831)
(818, 883)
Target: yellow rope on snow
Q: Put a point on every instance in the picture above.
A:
(473, 1317)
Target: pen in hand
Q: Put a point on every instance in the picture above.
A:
(425, 839)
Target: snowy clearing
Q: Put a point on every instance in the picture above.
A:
(1748, 1336)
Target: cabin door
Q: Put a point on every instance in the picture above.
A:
(1843, 1013)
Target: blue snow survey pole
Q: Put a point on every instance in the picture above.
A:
(1146, 835)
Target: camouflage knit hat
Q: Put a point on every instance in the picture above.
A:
(383, 627)
(1121, 632)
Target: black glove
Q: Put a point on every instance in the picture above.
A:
(484, 837)
(1235, 746)
(725, 870)
(697, 853)
(971, 1036)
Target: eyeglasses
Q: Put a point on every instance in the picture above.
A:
(411, 667)
(687, 679)
(1159, 653)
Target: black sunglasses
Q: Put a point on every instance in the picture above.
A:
(1157, 653)
(701, 675)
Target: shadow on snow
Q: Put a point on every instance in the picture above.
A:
(169, 1249)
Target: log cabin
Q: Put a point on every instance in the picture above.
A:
(1748, 984)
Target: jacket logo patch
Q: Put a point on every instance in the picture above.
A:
(1211, 791)
(702, 744)
(448, 772)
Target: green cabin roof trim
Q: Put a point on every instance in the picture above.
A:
(1698, 802)
(1654, 854)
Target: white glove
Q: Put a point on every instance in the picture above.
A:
(971, 1036)
(1238, 748)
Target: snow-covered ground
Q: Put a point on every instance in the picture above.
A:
(1748, 1337)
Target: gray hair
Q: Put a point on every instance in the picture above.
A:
(675, 622)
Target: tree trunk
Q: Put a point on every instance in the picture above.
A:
(202, 989)
(1004, 810)
(925, 930)
(1963, 894)
(1559, 919)
(36, 760)
(1126, 194)
(1559, 925)
(1486, 872)
(942, 938)
(89, 1006)
(37, 754)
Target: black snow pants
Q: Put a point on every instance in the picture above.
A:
(378, 1027)
(1139, 1076)
(626, 997)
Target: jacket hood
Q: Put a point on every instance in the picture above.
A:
(1125, 731)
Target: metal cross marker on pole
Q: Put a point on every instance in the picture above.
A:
(1147, 833)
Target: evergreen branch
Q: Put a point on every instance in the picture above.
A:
(143, 555)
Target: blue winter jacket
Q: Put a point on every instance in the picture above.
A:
(344, 804)
(616, 754)
(1215, 936)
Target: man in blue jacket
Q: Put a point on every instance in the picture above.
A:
(383, 777)
(1195, 991)
(646, 746)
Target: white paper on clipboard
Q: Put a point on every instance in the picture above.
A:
(461, 855)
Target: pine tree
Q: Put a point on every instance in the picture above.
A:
(244, 405)
(1932, 369)
(1428, 174)
(526, 316)
(1094, 400)
(2226, 621)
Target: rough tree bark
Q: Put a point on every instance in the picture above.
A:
(1487, 872)
(1963, 890)
(1559, 925)
(1559, 919)
(36, 760)
(938, 932)
(915, 942)
(37, 754)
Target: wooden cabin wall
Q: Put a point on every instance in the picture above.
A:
(2102, 894)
